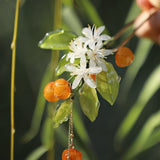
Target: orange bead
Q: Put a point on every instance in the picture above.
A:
(124, 57)
(62, 89)
(49, 92)
(72, 155)
(93, 76)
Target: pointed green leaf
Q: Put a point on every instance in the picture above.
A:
(108, 84)
(57, 40)
(61, 65)
(63, 113)
(89, 102)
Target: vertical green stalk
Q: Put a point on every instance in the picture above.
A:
(57, 23)
(48, 76)
(57, 14)
(13, 47)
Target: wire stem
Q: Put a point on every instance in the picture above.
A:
(123, 30)
(70, 134)
(13, 47)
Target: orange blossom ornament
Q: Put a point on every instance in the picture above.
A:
(71, 154)
(124, 57)
(62, 89)
(49, 92)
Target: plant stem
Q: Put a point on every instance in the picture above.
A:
(13, 47)
(57, 23)
(123, 30)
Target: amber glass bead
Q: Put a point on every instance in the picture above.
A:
(72, 155)
(93, 76)
(124, 57)
(62, 89)
(49, 92)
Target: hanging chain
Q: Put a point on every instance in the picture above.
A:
(70, 134)
(71, 130)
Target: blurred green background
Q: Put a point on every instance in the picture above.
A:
(36, 19)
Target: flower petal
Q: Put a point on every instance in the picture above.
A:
(90, 82)
(92, 62)
(70, 68)
(102, 64)
(91, 44)
(105, 37)
(98, 31)
(82, 39)
(94, 70)
(99, 45)
(71, 57)
(76, 82)
(83, 61)
(87, 32)
(107, 52)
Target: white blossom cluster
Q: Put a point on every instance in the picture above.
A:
(88, 49)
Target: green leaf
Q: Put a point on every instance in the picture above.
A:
(108, 84)
(89, 102)
(57, 40)
(63, 113)
(61, 65)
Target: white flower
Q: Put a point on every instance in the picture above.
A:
(93, 35)
(78, 50)
(97, 55)
(83, 73)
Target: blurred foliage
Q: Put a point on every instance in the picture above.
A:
(133, 119)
